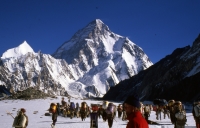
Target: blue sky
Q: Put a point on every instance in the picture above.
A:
(157, 26)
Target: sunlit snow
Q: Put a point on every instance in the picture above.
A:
(38, 120)
(18, 51)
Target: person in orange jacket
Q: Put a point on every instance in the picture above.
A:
(132, 108)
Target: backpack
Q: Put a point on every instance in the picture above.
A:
(72, 106)
(94, 107)
(52, 108)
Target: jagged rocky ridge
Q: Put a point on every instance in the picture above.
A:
(87, 65)
(174, 77)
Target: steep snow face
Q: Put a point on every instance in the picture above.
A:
(18, 51)
(100, 58)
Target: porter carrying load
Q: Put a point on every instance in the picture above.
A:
(21, 120)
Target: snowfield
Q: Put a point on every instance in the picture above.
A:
(35, 110)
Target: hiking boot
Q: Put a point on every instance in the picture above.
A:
(53, 126)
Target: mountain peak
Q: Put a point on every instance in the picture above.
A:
(22, 49)
(96, 22)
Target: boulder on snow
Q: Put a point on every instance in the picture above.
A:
(47, 114)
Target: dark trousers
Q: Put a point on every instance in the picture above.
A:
(54, 118)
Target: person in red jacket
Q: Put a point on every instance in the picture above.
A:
(132, 108)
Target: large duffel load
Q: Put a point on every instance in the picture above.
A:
(72, 106)
(105, 104)
(178, 106)
(52, 108)
(171, 103)
(111, 108)
(160, 102)
(94, 107)
(84, 105)
(19, 121)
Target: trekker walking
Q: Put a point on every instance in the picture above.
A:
(94, 116)
(21, 120)
(110, 114)
(119, 110)
(100, 111)
(83, 110)
(72, 109)
(166, 111)
(180, 115)
(159, 110)
(53, 110)
(171, 110)
(147, 112)
(132, 108)
(77, 110)
(63, 105)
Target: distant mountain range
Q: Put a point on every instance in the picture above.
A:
(176, 76)
(88, 65)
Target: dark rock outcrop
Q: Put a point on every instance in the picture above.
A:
(31, 93)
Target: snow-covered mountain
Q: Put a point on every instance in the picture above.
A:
(91, 62)
(21, 68)
(174, 77)
(100, 58)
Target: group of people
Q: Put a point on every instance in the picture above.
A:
(132, 110)
(106, 111)
(174, 110)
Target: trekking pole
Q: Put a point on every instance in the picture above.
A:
(114, 119)
(8, 113)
